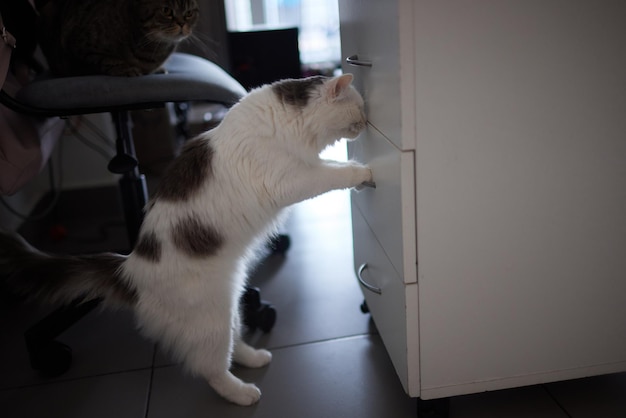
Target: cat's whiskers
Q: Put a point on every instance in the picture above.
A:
(151, 40)
(195, 40)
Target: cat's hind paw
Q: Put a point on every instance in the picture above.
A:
(247, 395)
(253, 358)
(236, 391)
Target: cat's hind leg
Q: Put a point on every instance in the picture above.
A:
(205, 348)
(234, 389)
(245, 354)
(212, 361)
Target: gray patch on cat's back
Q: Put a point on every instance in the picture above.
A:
(187, 172)
(149, 247)
(196, 239)
(296, 92)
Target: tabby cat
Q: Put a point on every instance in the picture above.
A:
(114, 37)
(222, 197)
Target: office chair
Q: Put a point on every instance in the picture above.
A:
(187, 78)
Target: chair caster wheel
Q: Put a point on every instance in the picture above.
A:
(257, 313)
(51, 359)
(266, 317)
(279, 244)
(364, 308)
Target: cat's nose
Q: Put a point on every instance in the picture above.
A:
(183, 29)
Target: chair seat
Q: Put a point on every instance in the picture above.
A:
(188, 78)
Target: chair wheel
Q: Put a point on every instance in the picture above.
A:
(256, 312)
(364, 308)
(266, 317)
(263, 317)
(251, 298)
(279, 244)
(51, 359)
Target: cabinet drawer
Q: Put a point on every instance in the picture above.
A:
(370, 35)
(389, 210)
(392, 303)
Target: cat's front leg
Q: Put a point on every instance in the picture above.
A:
(361, 175)
(327, 176)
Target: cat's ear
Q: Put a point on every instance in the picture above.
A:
(337, 86)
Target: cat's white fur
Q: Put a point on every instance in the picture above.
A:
(266, 157)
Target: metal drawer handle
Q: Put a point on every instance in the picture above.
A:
(354, 60)
(366, 285)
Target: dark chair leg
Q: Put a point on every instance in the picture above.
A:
(52, 358)
(48, 356)
(132, 184)
(134, 197)
(257, 313)
(279, 244)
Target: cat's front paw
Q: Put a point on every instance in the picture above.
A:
(361, 175)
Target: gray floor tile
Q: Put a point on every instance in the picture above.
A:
(101, 342)
(593, 397)
(351, 377)
(117, 395)
(314, 288)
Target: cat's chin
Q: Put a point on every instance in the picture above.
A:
(352, 136)
(172, 37)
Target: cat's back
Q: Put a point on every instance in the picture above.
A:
(92, 20)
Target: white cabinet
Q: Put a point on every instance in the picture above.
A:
(497, 231)
(389, 210)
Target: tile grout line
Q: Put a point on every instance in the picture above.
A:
(73, 379)
(150, 382)
(555, 400)
(284, 347)
(346, 337)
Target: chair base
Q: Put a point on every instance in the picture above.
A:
(48, 356)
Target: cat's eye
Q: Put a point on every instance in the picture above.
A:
(189, 14)
(167, 11)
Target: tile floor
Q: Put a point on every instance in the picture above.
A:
(328, 359)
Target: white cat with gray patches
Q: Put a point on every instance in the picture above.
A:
(221, 198)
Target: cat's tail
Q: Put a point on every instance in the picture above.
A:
(61, 279)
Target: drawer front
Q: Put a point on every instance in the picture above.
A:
(392, 303)
(389, 210)
(370, 33)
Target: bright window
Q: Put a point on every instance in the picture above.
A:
(317, 20)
